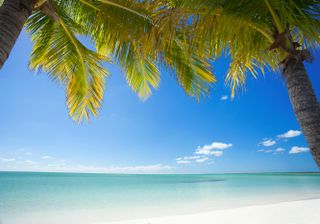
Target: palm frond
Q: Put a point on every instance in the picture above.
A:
(138, 46)
(141, 70)
(242, 29)
(58, 52)
(193, 73)
(184, 36)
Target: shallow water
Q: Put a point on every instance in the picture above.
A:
(87, 198)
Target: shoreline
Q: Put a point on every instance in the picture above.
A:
(293, 212)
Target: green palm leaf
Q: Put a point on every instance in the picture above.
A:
(126, 30)
(242, 29)
(58, 52)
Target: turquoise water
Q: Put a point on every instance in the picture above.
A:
(44, 197)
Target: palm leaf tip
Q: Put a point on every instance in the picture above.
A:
(143, 76)
(193, 72)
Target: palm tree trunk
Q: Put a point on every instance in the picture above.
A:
(305, 104)
(13, 15)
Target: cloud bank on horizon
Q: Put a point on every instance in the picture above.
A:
(11, 164)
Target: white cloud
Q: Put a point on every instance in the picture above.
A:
(5, 160)
(204, 159)
(203, 154)
(205, 150)
(28, 162)
(130, 169)
(267, 142)
(29, 165)
(225, 97)
(215, 153)
(280, 150)
(290, 134)
(264, 150)
(28, 153)
(191, 157)
(296, 150)
(57, 165)
(183, 162)
(275, 152)
(219, 145)
(188, 159)
(46, 157)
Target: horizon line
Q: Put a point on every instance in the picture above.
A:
(222, 173)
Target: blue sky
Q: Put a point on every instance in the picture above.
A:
(168, 133)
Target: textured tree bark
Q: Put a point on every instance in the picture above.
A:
(305, 104)
(13, 15)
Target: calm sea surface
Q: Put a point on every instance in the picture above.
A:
(88, 198)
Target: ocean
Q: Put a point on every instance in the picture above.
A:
(47, 198)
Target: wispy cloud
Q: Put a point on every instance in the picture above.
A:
(224, 97)
(267, 142)
(129, 169)
(188, 159)
(183, 161)
(265, 150)
(297, 149)
(293, 150)
(215, 153)
(28, 162)
(206, 150)
(7, 160)
(290, 134)
(205, 153)
(29, 165)
(28, 153)
(202, 160)
(46, 157)
(280, 150)
(275, 151)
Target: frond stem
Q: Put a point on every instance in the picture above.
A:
(126, 8)
(39, 3)
(265, 33)
(48, 9)
(90, 5)
(275, 17)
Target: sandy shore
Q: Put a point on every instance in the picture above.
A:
(296, 212)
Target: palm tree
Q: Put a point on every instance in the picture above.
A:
(73, 39)
(184, 35)
(258, 34)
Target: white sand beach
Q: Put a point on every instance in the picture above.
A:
(295, 212)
